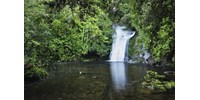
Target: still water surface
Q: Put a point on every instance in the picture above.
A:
(94, 81)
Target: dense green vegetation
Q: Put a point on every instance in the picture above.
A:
(153, 80)
(70, 30)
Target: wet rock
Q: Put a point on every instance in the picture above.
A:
(150, 60)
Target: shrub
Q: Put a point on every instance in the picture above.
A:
(36, 74)
(153, 80)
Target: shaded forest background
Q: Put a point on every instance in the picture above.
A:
(75, 30)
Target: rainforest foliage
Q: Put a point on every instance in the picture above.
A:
(153, 80)
(70, 30)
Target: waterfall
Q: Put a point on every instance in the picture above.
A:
(120, 43)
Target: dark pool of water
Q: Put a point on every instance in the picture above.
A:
(94, 81)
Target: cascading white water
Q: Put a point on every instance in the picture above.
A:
(120, 43)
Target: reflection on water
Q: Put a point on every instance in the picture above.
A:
(97, 81)
(118, 73)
